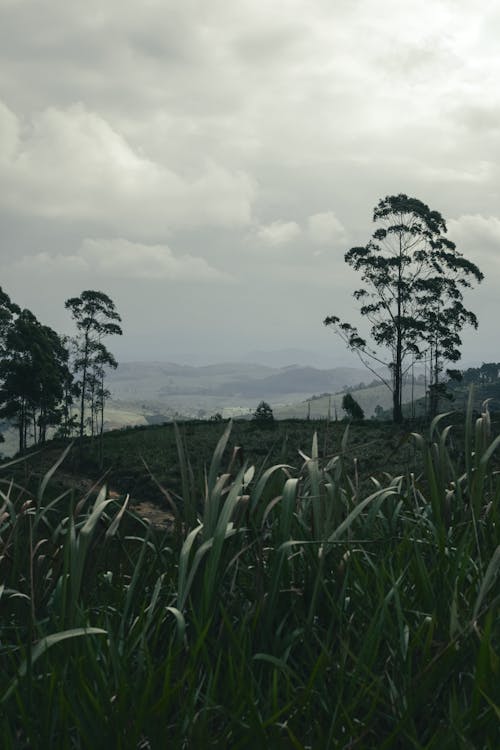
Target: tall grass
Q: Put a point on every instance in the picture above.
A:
(288, 609)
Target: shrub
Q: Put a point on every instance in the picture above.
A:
(263, 415)
(352, 408)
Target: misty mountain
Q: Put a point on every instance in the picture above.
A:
(159, 381)
(290, 380)
(280, 358)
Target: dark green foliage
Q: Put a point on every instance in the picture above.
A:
(352, 408)
(487, 373)
(7, 311)
(413, 296)
(263, 415)
(33, 374)
(292, 609)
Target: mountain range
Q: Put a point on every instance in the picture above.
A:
(160, 382)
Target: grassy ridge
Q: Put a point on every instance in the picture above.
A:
(131, 456)
(291, 607)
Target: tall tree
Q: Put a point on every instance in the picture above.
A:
(95, 317)
(407, 259)
(33, 372)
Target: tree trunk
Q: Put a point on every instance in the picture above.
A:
(397, 412)
(397, 395)
(101, 428)
(21, 428)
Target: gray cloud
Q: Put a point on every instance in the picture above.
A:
(243, 140)
(71, 162)
(278, 233)
(121, 259)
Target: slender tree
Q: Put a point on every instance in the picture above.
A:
(407, 259)
(440, 297)
(95, 317)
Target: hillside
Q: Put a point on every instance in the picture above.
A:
(368, 398)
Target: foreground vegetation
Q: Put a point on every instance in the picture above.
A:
(291, 608)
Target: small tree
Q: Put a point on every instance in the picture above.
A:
(263, 415)
(352, 408)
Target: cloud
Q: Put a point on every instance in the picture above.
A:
(72, 164)
(175, 125)
(120, 258)
(322, 228)
(278, 233)
(477, 236)
(9, 134)
(476, 173)
(325, 229)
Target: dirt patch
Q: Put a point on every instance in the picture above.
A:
(157, 517)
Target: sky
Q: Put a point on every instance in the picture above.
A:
(207, 163)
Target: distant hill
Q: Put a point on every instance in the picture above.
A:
(290, 380)
(166, 382)
(279, 358)
(368, 398)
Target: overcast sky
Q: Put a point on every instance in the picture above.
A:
(207, 163)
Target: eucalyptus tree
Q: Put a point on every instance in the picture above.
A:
(445, 315)
(97, 394)
(95, 317)
(407, 262)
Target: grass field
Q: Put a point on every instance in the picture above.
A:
(132, 455)
(297, 602)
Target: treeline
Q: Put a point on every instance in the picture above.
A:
(484, 375)
(52, 381)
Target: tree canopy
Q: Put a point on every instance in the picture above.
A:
(33, 372)
(412, 296)
(37, 367)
